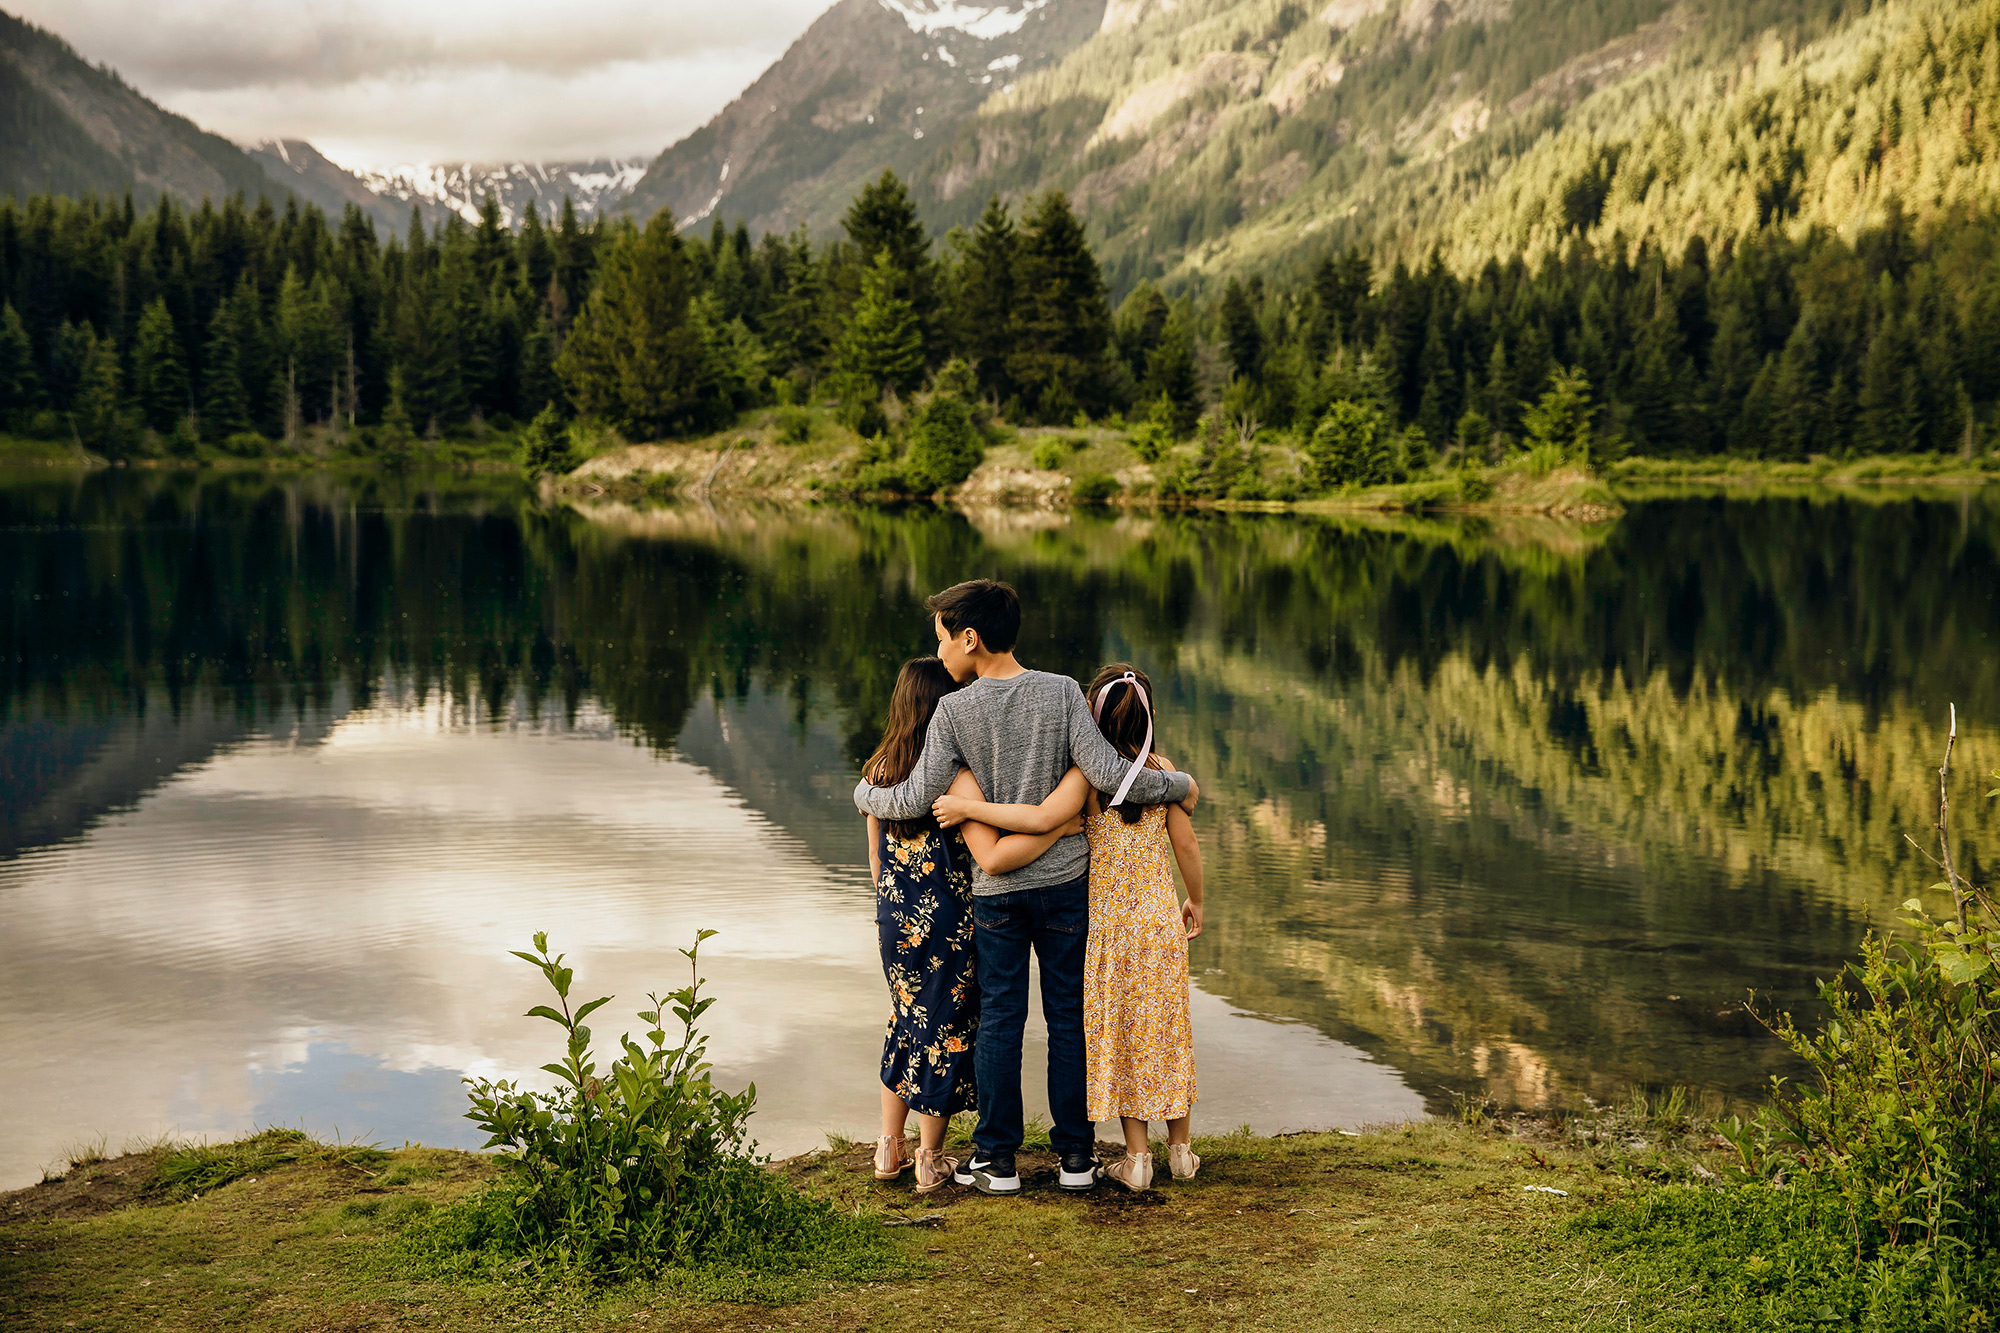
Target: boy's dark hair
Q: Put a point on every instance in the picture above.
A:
(986, 605)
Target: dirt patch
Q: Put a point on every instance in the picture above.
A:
(87, 1191)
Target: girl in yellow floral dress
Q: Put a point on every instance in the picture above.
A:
(1138, 1042)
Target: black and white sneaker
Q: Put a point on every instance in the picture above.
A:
(990, 1175)
(1077, 1173)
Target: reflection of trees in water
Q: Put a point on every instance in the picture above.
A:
(1480, 797)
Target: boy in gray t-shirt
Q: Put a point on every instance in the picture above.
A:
(1019, 731)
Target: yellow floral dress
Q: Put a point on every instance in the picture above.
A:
(923, 914)
(1139, 1045)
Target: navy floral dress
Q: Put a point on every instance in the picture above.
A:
(923, 912)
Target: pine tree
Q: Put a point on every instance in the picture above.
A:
(159, 381)
(987, 297)
(635, 359)
(225, 406)
(1064, 324)
(1560, 420)
(883, 347)
(20, 388)
(95, 409)
(883, 220)
(1240, 331)
(1170, 374)
(536, 378)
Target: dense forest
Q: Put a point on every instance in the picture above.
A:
(248, 328)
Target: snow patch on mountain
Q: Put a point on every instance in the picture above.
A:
(927, 18)
(591, 186)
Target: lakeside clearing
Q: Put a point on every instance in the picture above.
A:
(1418, 1226)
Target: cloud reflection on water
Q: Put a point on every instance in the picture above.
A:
(316, 931)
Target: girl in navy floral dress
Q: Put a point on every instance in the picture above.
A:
(923, 913)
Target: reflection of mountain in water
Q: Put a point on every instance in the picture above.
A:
(786, 763)
(64, 773)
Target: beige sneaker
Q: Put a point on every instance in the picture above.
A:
(1182, 1161)
(934, 1169)
(1135, 1173)
(892, 1156)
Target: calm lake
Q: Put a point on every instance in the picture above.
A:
(1510, 809)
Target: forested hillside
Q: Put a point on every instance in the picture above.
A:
(68, 127)
(234, 326)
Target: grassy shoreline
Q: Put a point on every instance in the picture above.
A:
(1415, 1226)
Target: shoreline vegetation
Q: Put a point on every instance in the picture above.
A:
(805, 456)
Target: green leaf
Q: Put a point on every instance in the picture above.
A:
(594, 1004)
(1962, 968)
(543, 1011)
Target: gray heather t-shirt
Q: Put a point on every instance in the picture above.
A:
(1018, 735)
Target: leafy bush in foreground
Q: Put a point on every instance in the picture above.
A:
(1869, 1198)
(643, 1166)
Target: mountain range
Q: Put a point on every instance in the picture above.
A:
(1199, 137)
(70, 127)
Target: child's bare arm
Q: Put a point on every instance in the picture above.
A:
(998, 853)
(965, 801)
(1187, 854)
(874, 850)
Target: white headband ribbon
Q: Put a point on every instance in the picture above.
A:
(1097, 712)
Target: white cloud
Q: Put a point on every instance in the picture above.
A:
(379, 82)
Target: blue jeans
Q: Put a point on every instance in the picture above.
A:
(1054, 923)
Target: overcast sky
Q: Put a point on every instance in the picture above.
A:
(377, 83)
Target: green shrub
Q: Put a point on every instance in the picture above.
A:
(1094, 488)
(1474, 488)
(544, 446)
(1866, 1196)
(625, 1171)
(1350, 446)
(246, 444)
(944, 447)
(794, 425)
(1051, 454)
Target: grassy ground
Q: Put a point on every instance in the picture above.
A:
(1422, 1227)
(1934, 469)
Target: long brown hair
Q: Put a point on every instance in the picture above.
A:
(1123, 721)
(919, 685)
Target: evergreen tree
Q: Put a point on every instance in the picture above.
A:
(95, 409)
(988, 295)
(159, 380)
(881, 221)
(1560, 419)
(883, 346)
(20, 388)
(635, 359)
(1064, 325)
(1240, 331)
(225, 406)
(1170, 374)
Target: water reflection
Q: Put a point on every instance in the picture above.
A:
(1515, 809)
